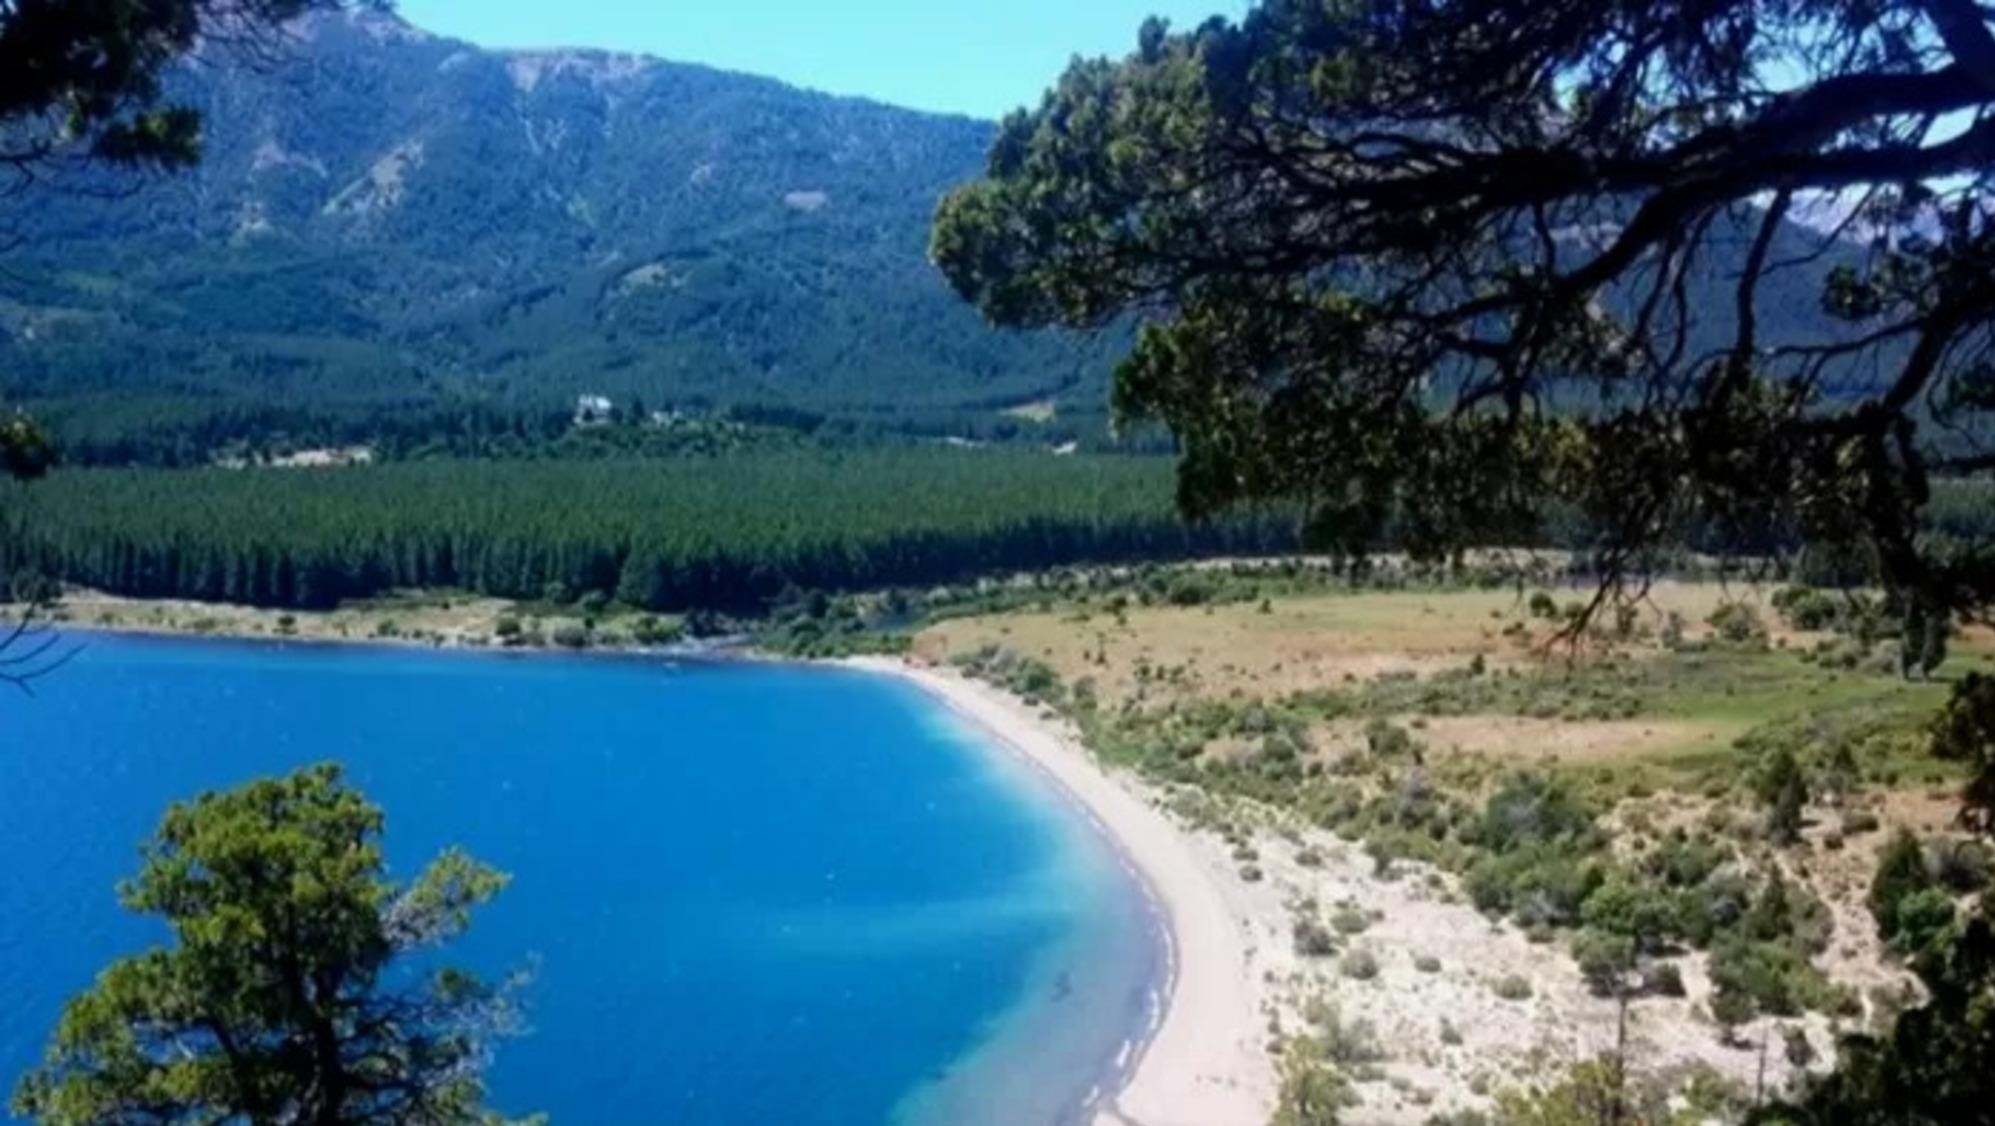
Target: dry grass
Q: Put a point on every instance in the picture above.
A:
(1572, 742)
(1308, 642)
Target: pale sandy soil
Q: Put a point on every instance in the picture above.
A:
(1240, 983)
(445, 621)
(409, 618)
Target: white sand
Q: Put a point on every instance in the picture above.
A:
(1205, 1062)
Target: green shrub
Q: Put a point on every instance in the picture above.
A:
(1737, 623)
(570, 635)
(1807, 608)
(1359, 965)
(1312, 1091)
(1962, 867)
(1427, 964)
(1784, 790)
(652, 630)
(1531, 807)
(1350, 1043)
(1350, 920)
(1800, 1053)
(1513, 988)
(1901, 873)
(1313, 939)
(1682, 860)
(1663, 979)
(1604, 960)
(1773, 976)
(1731, 1008)
(1646, 916)
(1924, 919)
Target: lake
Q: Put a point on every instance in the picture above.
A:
(746, 893)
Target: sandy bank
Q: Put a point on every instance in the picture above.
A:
(1205, 1063)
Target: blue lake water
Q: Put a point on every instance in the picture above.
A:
(748, 894)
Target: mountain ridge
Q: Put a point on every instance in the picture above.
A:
(392, 213)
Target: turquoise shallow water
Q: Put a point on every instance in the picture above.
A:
(748, 894)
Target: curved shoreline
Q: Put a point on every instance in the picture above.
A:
(1190, 1067)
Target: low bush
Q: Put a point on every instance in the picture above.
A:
(1664, 980)
(1737, 623)
(1359, 965)
(1313, 939)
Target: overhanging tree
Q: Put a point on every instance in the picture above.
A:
(1442, 269)
(283, 997)
(1449, 266)
(83, 82)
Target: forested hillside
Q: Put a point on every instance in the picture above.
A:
(385, 220)
(399, 239)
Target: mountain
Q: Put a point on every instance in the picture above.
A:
(385, 215)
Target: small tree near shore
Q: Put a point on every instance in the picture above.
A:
(280, 998)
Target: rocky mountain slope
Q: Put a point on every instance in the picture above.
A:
(388, 212)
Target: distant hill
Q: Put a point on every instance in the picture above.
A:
(397, 236)
(391, 215)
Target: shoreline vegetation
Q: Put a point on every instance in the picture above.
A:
(1405, 845)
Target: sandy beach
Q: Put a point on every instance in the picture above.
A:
(1443, 1037)
(1205, 1062)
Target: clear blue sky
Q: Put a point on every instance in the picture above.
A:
(979, 57)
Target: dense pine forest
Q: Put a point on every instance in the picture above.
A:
(720, 533)
(726, 532)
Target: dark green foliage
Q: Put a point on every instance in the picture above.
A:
(1361, 176)
(1931, 1068)
(1664, 980)
(1924, 920)
(1964, 732)
(1784, 789)
(1645, 915)
(1737, 623)
(1901, 874)
(1807, 608)
(725, 534)
(1532, 808)
(1683, 860)
(1606, 961)
(25, 450)
(286, 993)
(1772, 976)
